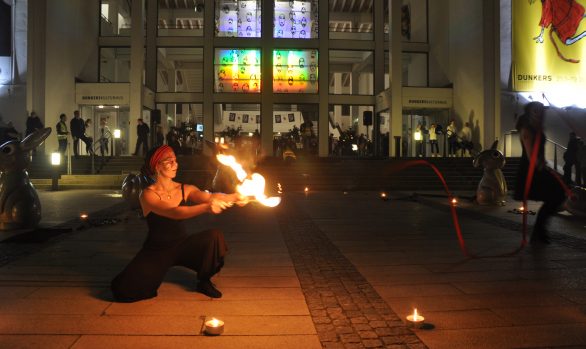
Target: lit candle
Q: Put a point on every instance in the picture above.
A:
(415, 319)
(306, 191)
(384, 196)
(214, 327)
(83, 216)
(521, 209)
(454, 201)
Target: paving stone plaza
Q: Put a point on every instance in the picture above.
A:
(323, 270)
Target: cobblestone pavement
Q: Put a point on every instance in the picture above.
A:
(346, 310)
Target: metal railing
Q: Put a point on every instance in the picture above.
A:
(556, 148)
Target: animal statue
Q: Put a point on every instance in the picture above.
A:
(492, 189)
(576, 204)
(132, 185)
(20, 206)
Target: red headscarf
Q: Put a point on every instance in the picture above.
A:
(158, 155)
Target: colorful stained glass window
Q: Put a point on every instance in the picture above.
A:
(295, 71)
(237, 70)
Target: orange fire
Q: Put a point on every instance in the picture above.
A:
(250, 185)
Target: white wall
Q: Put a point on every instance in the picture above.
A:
(66, 59)
(466, 64)
(439, 44)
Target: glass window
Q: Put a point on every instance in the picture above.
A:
(413, 20)
(114, 64)
(237, 70)
(351, 20)
(179, 69)
(351, 129)
(296, 19)
(115, 18)
(238, 125)
(295, 71)
(414, 69)
(351, 72)
(181, 18)
(181, 127)
(295, 129)
(238, 18)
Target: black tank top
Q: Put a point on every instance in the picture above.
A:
(165, 232)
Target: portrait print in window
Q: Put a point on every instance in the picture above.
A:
(232, 117)
(278, 119)
(245, 118)
(258, 119)
(291, 117)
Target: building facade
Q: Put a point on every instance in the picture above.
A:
(321, 76)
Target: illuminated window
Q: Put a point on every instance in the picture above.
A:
(295, 71)
(295, 19)
(238, 18)
(237, 70)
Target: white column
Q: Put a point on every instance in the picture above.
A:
(136, 69)
(395, 72)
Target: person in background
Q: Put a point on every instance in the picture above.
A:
(452, 134)
(142, 132)
(544, 186)
(466, 137)
(89, 145)
(433, 141)
(105, 136)
(570, 158)
(62, 133)
(33, 123)
(77, 127)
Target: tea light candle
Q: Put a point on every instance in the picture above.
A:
(214, 327)
(454, 201)
(415, 319)
(384, 196)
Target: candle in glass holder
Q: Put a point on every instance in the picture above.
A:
(415, 319)
(214, 327)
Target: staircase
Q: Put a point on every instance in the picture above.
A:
(345, 174)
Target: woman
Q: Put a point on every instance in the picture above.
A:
(164, 204)
(544, 186)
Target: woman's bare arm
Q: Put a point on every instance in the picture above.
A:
(151, 202)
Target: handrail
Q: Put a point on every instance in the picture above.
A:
(556, 146)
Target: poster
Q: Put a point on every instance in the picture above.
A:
(549, 45)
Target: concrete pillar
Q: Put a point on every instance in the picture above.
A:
(491, 72)
(136, 69)
(266, 108)
(338, 90)
(208, 74)
(395, 72)
(151, 46)
(323, 87)
(36, 47)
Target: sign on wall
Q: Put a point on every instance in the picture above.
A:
(102, 93)
(549, 45)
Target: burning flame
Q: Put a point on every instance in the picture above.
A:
(251, 186)
(214, 322)
(454, 202)
(415, 315)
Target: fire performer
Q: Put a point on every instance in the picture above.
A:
(164, 204)
(544, 185)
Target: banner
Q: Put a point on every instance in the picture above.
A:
(549, 45)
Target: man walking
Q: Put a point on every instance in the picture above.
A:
(142, 131)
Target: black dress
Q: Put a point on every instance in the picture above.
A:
(544, 186)
(168, 245)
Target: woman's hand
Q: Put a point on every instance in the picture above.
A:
(241, 200)
(218, 205)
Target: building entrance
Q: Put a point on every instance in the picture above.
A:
(103, 124)
(416, 136)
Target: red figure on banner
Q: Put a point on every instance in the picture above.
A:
(562, 17)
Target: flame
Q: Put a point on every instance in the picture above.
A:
(415, 315)
(454, 201)
(214, 322)
(521, 208)
(251, 186)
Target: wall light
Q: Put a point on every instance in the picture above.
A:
(117, 133)
(55, 159)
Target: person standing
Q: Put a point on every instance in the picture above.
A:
(433, 141)
(142, 132)
(544, 186)
(452, 133)
(570, 158)
(33, 123)
(466, 136)
(77, 126)
(104, 137)
(62, 133)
